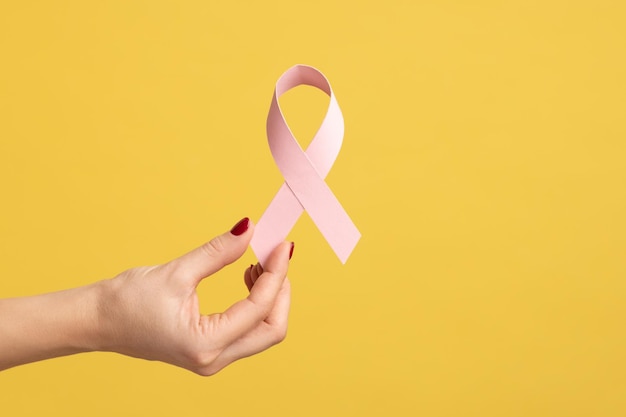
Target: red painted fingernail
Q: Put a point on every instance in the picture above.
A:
(241, 227)
(291, 250)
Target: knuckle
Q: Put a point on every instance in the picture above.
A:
(214, 247)
(206, 371)
(173, 268)
(279, 334)
(261, 308)
(201, 360)
(175, 271)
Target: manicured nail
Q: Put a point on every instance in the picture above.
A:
(241, 227)
(291, 250)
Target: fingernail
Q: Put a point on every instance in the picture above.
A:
(291, 250)
(241, 227)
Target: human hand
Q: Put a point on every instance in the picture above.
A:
(153, 312)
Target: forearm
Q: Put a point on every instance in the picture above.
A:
(48, 325)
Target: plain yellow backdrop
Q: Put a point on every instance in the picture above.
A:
(483, 162)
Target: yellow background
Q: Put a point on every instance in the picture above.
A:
(483, 162)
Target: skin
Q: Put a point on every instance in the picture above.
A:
(153, 313)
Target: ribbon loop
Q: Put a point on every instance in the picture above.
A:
(304, 173)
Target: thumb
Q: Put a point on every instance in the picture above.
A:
(215, 254)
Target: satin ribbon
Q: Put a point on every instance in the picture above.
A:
(304, 173)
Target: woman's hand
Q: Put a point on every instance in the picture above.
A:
(153, 312)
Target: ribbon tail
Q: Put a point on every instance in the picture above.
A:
(336, 226)
(326, 212)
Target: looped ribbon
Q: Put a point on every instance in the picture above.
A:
(304, 173)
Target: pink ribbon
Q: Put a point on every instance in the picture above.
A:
(304, 172)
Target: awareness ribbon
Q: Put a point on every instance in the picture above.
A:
(304, 173)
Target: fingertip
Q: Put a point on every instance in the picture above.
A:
(278, 261)
(247, 277)
(243, 228)
(255, 272)
(240, 227)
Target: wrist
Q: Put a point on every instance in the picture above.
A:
(95, 334)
